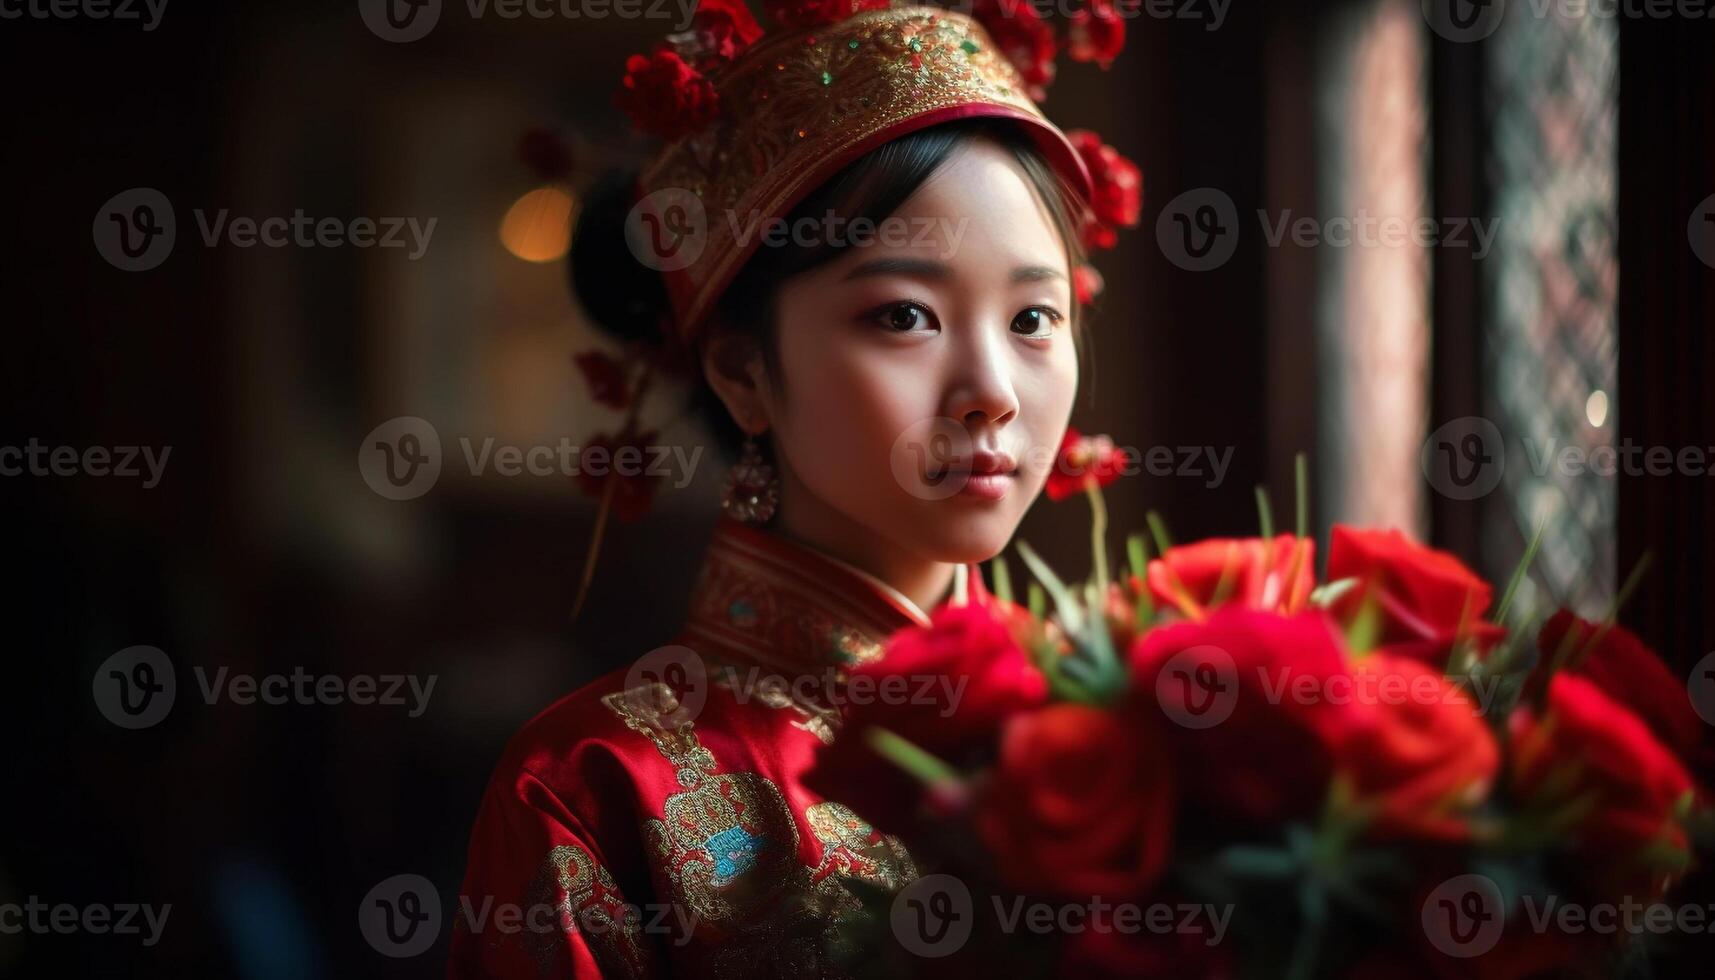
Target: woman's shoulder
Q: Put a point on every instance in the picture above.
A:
(579, 723)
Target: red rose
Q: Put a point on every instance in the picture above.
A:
(1118, 188)
(625, 463)
(814, 13)
(1430, 757)
(1427, 598)
(1080, 802)
(1271, 576)
(1255, 737)
(1024, 37)
(665, 96)
(1619, 663)
(1586, 754)
(988, 679)
(606, 378)
(1095, 33)
(1080, 460)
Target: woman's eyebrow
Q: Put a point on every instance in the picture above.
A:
(923, 268)
(1035, 273)
(927, 269)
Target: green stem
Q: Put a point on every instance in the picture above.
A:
(1098, 534)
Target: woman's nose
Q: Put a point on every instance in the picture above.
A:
(982, 383)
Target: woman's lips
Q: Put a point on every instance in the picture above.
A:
(987, 486)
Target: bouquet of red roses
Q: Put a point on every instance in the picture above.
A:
(1216, 765)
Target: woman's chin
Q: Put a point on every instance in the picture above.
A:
(967, 538)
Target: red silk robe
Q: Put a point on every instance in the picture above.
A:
(653, 822)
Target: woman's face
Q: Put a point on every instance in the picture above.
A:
(927, 376)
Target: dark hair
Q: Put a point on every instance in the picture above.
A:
(628, 300)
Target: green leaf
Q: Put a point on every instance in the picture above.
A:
(1324, 596)
(908, 756)
(1002, 579)
(1071, 615)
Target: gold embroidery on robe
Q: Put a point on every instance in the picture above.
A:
(585, 901)
(726, 850)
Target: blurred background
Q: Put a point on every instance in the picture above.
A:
(1565, 299)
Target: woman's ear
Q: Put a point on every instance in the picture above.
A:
(733, 365)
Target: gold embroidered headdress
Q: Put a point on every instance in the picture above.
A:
(756, 122)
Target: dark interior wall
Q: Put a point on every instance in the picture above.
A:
(1667, 327)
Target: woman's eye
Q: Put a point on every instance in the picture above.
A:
(904, 317)
(1037, 321)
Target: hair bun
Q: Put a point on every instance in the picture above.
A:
(623, 297)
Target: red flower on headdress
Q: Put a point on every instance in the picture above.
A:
(1024, 37)
(1118, 188)
(1095, 33)
(720, 31)
(665, 96)
(814, 13)
(606, 378)
(1087, 283)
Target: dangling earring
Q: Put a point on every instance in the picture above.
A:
(752, 492)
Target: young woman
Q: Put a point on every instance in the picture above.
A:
(905, 347)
